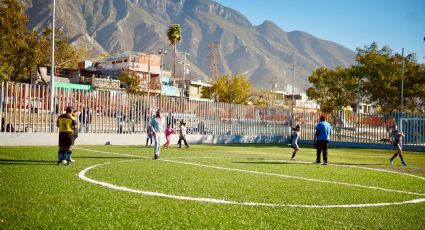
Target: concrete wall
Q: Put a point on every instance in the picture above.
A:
(29, 139)
(37, 139)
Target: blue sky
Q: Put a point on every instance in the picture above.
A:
(351, 23)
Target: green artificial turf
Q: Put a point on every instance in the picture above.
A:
(35, 193)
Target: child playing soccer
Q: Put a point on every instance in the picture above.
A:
(397, 136)
(168, 132)
(294, 141)
(149, 133)
(182, 136)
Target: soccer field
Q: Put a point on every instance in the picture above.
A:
(210, 187)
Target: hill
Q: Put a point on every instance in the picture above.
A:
(264, 52)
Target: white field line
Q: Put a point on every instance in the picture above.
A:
(119, 154)
(211, 200)
(355, 166)
(295, 177)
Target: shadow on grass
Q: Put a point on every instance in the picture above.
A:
(262, 162)
(303, 163)
(249, 145)
(54, 162)
(122, 157)
(358, 164)
(26, 162)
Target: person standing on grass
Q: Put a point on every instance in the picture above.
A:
(66, 125)
(294, 140)
(75, 134)
(157, 124)
(168, 133)
(182, 135)
(85, 119)
(149, 135)
(321, 140)
(397, 136)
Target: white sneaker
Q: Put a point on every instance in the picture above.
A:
(64, 162)
(293, 158)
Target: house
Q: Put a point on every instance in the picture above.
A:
(146, 66)
(193, 88)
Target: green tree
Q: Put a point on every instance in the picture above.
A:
(382, 76)
(17, 53)
(262, 97)
(333, 88)
(231, 89)
(66, 55)
(174, 35)
(21, 50)
(131, 81)
(415, 89)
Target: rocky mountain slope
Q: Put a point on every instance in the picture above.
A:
(265, 53)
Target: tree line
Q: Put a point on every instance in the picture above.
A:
(22, 50)
(376, 79)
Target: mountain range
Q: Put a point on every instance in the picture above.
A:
(265, 52)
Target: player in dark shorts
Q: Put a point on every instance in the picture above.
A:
(66, 125)
(397, 137)
(75, 117)
(294, 140)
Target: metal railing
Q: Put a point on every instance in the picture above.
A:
(25, 108)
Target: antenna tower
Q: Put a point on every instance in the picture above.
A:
(213, 60)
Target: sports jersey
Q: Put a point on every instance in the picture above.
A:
(324, 129)
(397, 136)
(66, 123)
(157, 124)
(76, 126)
(294, 137)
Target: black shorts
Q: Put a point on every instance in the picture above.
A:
(397, 144)
(66, 139)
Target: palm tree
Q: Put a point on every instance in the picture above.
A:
(174, 35)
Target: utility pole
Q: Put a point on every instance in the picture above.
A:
(52, 73)
(402, 80)
(149, 74)
(162, 53)
(183, 88)
(213, 60)
(293, 96)
(358, 90)
(274, 88)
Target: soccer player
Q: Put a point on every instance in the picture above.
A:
(182, 136)
(66, 125)
(397, 137)
(321, 140)
(149, 135)
(168, 133)
(75, 117)
(157, 124)
(294, 140)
